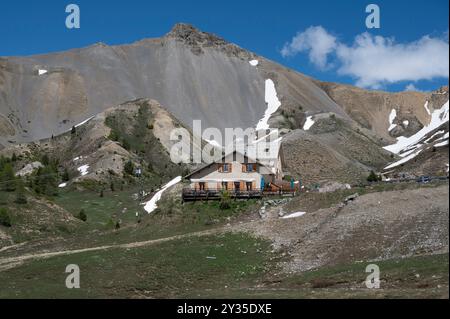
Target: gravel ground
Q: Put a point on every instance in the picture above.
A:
(374, 226)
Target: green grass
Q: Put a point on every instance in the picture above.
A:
(414, 277)
(118, 205)
(166, 270)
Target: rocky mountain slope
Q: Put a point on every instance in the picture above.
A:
(199, 76)
(98, 149)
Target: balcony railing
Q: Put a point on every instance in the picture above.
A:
(190, 194)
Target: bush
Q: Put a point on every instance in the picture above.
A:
(373, 177)
(65, 175)
(129, 168)
(126, 145)
(20, 193)
(225, 201)
(7, 178)
(113, 135)
(82, 215)
(5, 219)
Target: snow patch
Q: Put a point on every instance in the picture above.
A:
(406, 123)
(150, 206)
(441, 144)
(83, 170)
(309, 123)
(438, 117)
(254, 62)
(426, 108)
(273, 103)
(392, 117)
(42, 72)
(84, 122)
(214, 143)
(294, 215)
(62, 185)
(403, 160)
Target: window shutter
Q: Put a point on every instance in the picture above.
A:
(220, 168)
(230, 167)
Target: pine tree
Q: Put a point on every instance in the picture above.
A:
(129, 168)
(372, 177)
(65, 175)
(20, 193)
(82, 215)
(7, 178)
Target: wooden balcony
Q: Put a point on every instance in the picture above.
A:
(190, 194)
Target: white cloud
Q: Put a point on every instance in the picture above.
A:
(375, 60)
(315, 40)
(412, 87)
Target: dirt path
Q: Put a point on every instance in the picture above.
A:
(12, 262)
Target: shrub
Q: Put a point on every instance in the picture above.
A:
(5, 219)
(126, 145)
(65, 175)
(129, 168)
(20, 193)
(7, 178)
(82, 215)
(113, 136)
(373, 177)
(225, 201)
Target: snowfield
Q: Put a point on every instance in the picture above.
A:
(438, 117)
(309, 123)
(272, 105)
(150, 206)
(254, 62)
(408, 147)
(42, 72)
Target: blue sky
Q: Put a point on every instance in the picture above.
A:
(31, 27)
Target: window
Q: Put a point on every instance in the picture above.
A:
(225, 185)
(201, 186)
(249, 185)
(226, 168)
(249, 167)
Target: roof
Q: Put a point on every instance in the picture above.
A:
(221, 160)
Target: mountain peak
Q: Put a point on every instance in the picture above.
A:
(198, 40)
(192, 36)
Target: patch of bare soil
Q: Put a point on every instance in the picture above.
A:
(375, 226)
